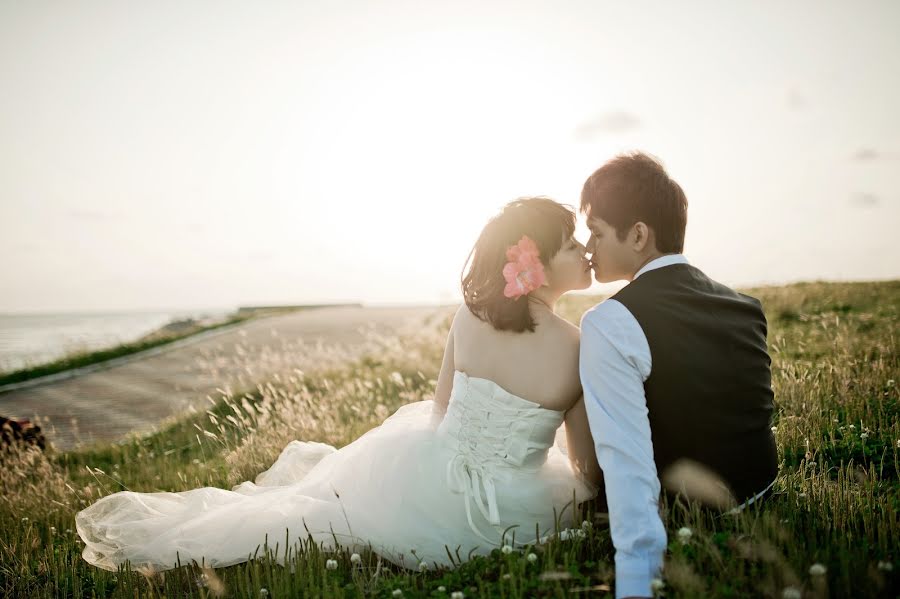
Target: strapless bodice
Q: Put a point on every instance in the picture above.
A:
(490, 431)
(494, 425)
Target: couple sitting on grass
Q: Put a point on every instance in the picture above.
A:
(665, 388)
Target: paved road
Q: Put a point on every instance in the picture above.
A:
(136, 396)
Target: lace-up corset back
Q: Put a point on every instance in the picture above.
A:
(492, 433)
(495, 428)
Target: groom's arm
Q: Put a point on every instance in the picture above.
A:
(614, 362)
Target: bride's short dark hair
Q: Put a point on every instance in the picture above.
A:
(635, 187)
(547, 223)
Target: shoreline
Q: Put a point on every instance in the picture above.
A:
(158, 340)
(136, 393)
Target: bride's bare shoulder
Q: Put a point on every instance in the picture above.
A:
(463, 317)
(566, 332)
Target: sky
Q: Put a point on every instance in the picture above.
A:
(210, 154)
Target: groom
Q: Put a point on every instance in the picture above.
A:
(674, 369)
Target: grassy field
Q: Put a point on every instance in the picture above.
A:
(832, 529)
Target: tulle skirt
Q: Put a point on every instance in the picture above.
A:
(387, 491)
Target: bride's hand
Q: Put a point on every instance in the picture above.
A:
(580, 444)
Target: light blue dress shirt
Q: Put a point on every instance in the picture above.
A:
(614, 363)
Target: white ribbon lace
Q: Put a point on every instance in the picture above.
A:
(482, 449)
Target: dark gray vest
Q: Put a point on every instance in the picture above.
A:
(709, 393)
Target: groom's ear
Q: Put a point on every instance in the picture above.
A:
(641, 237)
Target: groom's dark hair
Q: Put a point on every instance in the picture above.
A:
(634, 187)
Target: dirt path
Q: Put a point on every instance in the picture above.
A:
(136, 396)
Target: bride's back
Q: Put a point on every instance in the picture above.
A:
(540, 366)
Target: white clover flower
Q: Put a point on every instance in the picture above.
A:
(507, 576)
(423, 566)
(355, 558)
(532, 557)
(331, 564)
(852, 428)
(25, 519)
(817, 570)
(890, 383)
(397, 593)
(886, 566)
(52, 529)
(442, 589)
(506, 550)
(657, 585)
(457, 595)
(864, 435)
(774, 429)
(791, 593)
(684, 534)
(263, 592)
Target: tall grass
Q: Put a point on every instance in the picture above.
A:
(830, 530)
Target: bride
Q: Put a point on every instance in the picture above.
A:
(456, 471)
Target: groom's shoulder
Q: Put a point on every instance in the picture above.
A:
(604, 314)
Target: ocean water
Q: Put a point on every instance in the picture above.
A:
(32, 339)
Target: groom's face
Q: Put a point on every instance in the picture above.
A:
(612, 259)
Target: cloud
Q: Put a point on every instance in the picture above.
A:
(796, 100)
(24, 247)
(866, 155)
(609, 123)
(865, 200)
(90, 215)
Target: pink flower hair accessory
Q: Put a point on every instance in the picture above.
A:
(524, 272)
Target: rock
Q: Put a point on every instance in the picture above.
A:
(20, 430)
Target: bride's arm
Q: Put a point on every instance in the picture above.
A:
(580, 443)
(445, 379)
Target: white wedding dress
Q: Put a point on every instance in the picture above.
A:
(407, 488)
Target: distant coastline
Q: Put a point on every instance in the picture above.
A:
(175, 330)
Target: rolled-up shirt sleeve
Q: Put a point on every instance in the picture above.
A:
(615, 361)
